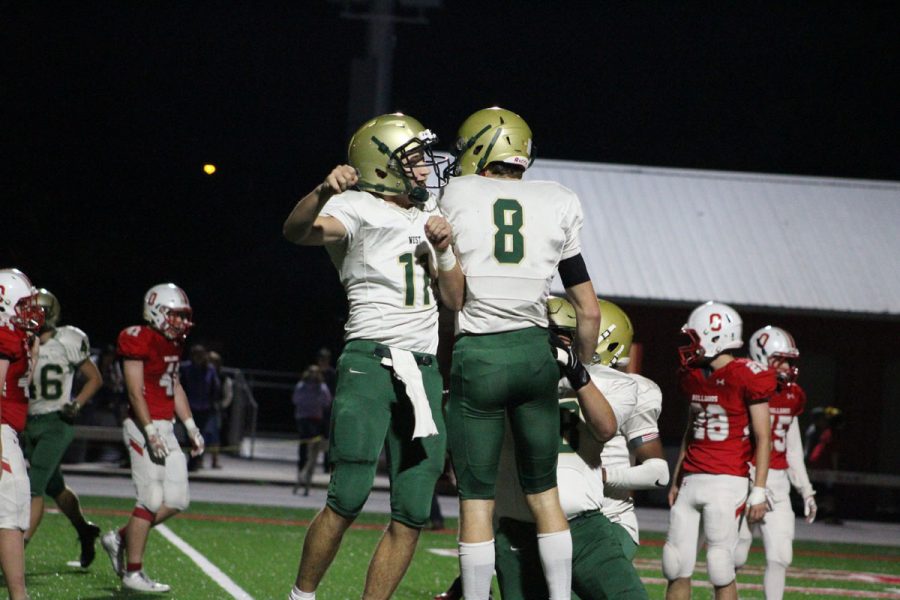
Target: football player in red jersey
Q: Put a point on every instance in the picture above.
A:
(728, 402)
(20, 318)
(776, 348)
(150, 354)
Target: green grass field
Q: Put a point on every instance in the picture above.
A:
(259, 547)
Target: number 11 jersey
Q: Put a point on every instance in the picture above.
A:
(720, 441)
(510, 236)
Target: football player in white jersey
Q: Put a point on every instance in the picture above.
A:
(637, 437)
(776, 348)
(511, 236)
(375, 218)
(64, 351)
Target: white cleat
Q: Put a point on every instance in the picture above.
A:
(138, 581)
(113, 545)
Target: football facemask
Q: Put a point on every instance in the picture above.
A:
(18, 301)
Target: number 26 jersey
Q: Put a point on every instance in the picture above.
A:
(160, 356)
(720, 440)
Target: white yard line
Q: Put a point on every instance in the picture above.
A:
(214, 572)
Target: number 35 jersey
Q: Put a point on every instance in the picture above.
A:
(383, 266)
(720, 443)
(510, 236)
(784, 406)
(160, 356)
(58, 359)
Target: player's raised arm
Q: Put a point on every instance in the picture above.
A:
(304, 226)
(598, 414)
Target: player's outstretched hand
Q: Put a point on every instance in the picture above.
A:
(341, 179)
(810, 508)
(438, 232)
(568, 362)
(198, 445)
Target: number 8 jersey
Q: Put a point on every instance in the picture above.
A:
(720, 444)
(161, 357)
(510, 236)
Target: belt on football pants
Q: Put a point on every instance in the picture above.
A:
(385, 352)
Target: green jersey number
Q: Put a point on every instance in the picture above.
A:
(408, 261)
(51, 382)
(509, 245)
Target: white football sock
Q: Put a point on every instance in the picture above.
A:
(476, 564)
(296, 594)
(773, 580)
(556, 558)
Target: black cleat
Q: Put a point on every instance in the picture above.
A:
(86, 538)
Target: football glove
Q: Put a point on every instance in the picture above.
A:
(156, 445)
(569, 364)
(809, 507)
(197, 443)
(69, 411)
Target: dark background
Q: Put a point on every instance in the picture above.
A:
(110, 109)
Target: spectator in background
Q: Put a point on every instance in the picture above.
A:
(201, 383)
(823, 454)
(226, 397)
(312, 399)
(329, 375)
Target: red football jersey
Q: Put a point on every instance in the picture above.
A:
(14, 347)
(161, 357)
(785, 405)
(720, 444)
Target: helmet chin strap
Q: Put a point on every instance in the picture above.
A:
(418, 195)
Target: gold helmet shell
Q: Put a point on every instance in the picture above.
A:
(379, 151)
(48, 301)
(616, 331)
(492, 135)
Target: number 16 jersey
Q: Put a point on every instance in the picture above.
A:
(510, 236)
(720, 442)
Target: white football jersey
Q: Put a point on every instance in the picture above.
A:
(579, 468)
(640, 427)
(383, 265)
(510, 236)
(58, 360)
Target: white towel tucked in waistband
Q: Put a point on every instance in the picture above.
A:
(407, 371)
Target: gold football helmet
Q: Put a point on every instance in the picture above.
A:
(384, 152)
(47, 300)
(492, 135)
(616, 332)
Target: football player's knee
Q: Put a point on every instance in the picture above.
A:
(742, 551)
(177, 496)
(349, 489)
(720, 564)
(782, 554)
(151, 496)
(674, 565)
(412, 512)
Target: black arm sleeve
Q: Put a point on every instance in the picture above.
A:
(573, 271)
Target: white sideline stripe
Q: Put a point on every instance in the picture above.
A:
(214, 572)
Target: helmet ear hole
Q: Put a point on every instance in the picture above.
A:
(478, 149)
(714, 339)
(381, 174)
(612, 347)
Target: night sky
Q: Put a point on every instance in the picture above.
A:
(110, 109)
